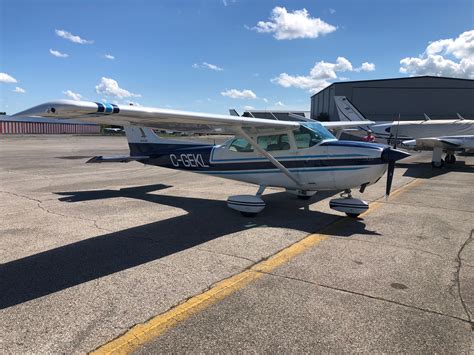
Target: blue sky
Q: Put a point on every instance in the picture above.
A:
(217, 54)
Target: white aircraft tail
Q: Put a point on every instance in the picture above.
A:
(143, 141)
(347, 111)
(137, 134)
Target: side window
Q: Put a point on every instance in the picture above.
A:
(240, 145)
(272, 143)
(305, 138)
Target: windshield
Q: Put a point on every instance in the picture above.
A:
(311, 134)
(318, 128)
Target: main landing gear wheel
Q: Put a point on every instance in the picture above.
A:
(437, 164)
(352, 215)
(247, 205)
(304, 197)
(450, 159)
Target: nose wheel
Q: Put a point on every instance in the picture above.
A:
(352, 207)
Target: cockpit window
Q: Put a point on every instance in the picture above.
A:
(310, 134)
(272, 143)
(240, 145)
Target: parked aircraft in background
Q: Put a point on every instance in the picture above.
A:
(440, 136)
(113, 130)
(302, 157)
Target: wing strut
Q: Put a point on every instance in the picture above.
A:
(269, 157)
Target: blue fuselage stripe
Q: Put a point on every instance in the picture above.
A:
(269, 171)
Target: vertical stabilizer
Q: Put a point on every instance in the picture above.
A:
(144, 141)
(347, 111)
(137, 134)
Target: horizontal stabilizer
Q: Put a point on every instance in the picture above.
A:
(115, 159)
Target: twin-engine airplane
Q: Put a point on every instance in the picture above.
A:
(302, 157)
(440, 136)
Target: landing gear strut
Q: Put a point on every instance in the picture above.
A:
(437, 161)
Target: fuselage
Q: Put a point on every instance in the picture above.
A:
(406, 130)
(330, 165)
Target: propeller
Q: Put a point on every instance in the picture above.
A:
(390, 156)
(396, 134)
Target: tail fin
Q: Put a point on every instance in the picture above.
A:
(143, 141)
(347, 111)
(136, 134)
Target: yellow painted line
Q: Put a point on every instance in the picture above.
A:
(378, 203)
(144, 332)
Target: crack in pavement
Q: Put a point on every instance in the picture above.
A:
(393, 245)
(40, 206)
(226, 254)
(458, 280)
(367, 296)
(424, 206)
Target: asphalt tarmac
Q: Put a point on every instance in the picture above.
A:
(89, 251)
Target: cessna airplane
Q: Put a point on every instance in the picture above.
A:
(302, 157)
(439, 136)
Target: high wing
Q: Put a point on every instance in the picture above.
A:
(120, 115)
(104, 113)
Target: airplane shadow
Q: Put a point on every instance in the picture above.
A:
(69, 265)
(426, 171)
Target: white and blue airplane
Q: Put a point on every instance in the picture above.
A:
(302, 157)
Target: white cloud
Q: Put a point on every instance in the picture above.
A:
(321, 75)
(110, 87)
(366, 66)
(70, 37)
(73, 95)
(325, 70)
(58, 53)
(265, 100)
(237, 94)
(292, 25)
(248, 108)
(445, 57)
(109, 56)
(205, 65)
(300, 82)
(5, 78)
(279, 104)
(19, 90)
(332, 11)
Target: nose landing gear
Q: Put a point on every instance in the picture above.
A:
(352, 207)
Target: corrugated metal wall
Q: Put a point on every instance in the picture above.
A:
(15, 127)
(384, 100)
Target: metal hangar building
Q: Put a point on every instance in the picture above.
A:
(411, 98)
(35, 125)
